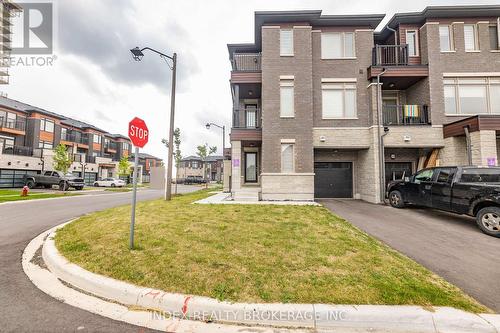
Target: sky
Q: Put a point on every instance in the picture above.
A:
(94, 78)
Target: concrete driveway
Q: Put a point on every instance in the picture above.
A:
(449, 245)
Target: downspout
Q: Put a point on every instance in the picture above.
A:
(469, 145)
(379, 138)
(395, 34)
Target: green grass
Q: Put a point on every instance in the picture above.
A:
(15, 195)
(249, 253)
(118, 189)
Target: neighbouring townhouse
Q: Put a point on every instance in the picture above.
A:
(325, 106)
(7, 10)
(28, 135)
(146, 163)
(195, 165)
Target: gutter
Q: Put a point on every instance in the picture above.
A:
(380, 138)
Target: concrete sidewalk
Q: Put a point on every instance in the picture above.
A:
(194, 311)
(221, 198)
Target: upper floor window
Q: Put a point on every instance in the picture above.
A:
(470, 37)
(287, 158)
(45, 144)
(194, 164)
(46, 125)
(286, 42)
(337, 45)
(97, 138)
(412, 41)
(125, 146)
(493, 30)
(287, 98)
(445, 38)
(469, 96)
(338, 100)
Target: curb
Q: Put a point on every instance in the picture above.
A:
(306, 316)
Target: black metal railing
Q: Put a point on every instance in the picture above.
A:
(405, 115)
(18, 150)
(90, 159)
(246, 62)
(17, 124)
(73, 137)
(390, 55)
(110, 146)
(247, 118)
(78, 157)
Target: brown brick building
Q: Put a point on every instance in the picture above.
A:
(321, 102)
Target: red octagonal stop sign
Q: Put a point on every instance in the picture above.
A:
(138, 132)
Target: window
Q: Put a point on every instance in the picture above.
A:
(444, 176)
(412, 41)
(251, 167)
(194, 164)
(125, 146)
(424, 176)
(337, 45)
(45, 144)
(47, 125)
(6, 141)
(339, 100)
(97, 138)
(445, 38)
(470, 96)
(493, 30)
(287, 99)
(470, 37)
(286, 42)
(287, 158)
(480, 176)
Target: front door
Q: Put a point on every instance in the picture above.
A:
(250, 167)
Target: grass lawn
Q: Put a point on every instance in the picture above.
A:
(249, 253)
(118, 189)
(15, 195)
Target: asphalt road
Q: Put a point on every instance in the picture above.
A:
(23, 307)
(450, 245)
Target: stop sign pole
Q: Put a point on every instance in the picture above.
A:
(139, 134)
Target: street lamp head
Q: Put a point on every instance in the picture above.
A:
(207, 125)
(137, 54)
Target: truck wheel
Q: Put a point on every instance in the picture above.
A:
(63, 186)
(79, 188)
(488, 220)
(396, 199)
(30, 184)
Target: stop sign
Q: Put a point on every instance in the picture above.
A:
(138, 132)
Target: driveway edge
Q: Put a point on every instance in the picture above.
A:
(299, 316)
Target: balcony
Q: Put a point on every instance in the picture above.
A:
(110, 147)
(75, 137)
(246, 62)
(14, 126)
(405, 115)
(21, 151)
(246, 124)
(390, 55)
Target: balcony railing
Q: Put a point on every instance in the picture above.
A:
(111, 146)
(246, 62)
(390, 55)
(15, 124)
(90, 159)
(247, 118)
(405, 115)
(21, 151)
(77, 138)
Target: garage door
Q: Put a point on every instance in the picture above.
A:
(333, 180)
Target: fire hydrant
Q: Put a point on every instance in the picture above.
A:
(25, 191)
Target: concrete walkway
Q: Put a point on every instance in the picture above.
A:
(450, 245)
(221, 198)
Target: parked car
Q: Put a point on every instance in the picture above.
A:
(194, 180)
(473, 191)
(110, 182)
(50, 178)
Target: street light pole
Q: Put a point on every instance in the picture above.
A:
(223, 128)
(137, 55)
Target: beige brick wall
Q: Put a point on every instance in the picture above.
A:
(235, 169)
(341, 137)
(484, 146)
(454, 152)
(293, 186)
(420, 136)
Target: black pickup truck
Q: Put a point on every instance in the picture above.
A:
(49, 178)
(473, 191)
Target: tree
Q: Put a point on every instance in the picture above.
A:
(203, 152)
(177, 153)
(124, 167)
(62, 159)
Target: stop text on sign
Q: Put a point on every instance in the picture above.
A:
(138, 132)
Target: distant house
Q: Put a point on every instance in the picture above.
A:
(194, 166)
(147, 162)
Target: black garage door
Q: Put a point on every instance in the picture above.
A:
(333, 180)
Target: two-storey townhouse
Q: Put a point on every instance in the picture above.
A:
(28, 135)
(211, 168)
(146, 163)
(189, 166)
(326, 107)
